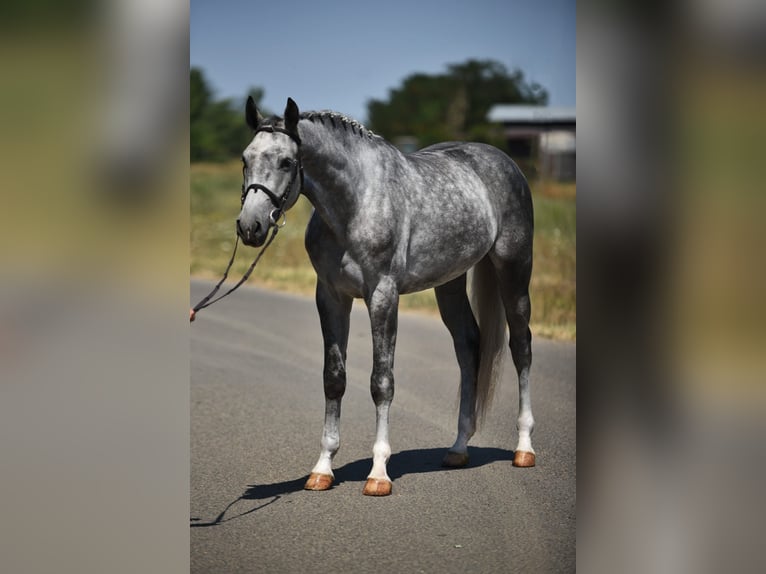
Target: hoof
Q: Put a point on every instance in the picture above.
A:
(318, 482)
(455, 459)
(377, 487)
(523, 459)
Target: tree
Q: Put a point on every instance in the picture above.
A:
(454, 105)
(217, 127)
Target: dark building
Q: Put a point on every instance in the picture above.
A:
(540, 135)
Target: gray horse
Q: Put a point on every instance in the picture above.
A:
(386, 224)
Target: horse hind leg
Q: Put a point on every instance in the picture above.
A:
(334, 315)
(455, 310)
(514, 276)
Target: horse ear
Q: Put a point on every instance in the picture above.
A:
(292, 115)
(252, 116)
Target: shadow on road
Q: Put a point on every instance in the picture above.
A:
(416, 461)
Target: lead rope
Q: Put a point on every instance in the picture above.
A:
(206, 302)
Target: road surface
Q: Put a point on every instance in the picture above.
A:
(256, 417)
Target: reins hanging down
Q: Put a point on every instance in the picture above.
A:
(274, 217)
(208, 299)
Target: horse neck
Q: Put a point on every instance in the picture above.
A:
(340, 160)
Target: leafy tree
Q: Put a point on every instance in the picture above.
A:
(217, 127)
(453, 105)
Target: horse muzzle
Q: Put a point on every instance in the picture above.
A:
(253, 235)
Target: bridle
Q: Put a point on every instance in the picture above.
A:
(277, 214)
(278, 202)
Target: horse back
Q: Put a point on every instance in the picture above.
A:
(469, 172)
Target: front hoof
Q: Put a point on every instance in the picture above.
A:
(523, 459)
(455, 459)
(318, 482)
(377, 487)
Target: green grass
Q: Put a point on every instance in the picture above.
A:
(554, 271)
(285, 265)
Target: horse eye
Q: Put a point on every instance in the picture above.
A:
(286, 164)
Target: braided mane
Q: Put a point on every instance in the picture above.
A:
(338, 120)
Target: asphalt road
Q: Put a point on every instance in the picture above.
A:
(256, 417)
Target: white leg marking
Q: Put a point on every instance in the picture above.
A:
(525, 422)
(330, 438)
(381, 450)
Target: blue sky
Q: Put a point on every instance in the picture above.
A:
(339, 54)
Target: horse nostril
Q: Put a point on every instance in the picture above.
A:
(246, 234)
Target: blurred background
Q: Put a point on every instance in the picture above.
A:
(417, 74)
(671, 280)
(94, 349)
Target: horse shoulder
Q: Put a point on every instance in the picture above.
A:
(333, 263)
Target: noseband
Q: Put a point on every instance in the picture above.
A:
(278, 202)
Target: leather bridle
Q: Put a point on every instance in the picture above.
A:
(278, 202)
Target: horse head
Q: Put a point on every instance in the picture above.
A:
(271, 170)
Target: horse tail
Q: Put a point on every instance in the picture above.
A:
(488, 310)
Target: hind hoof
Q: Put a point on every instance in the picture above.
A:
(455, 459)
(318, 482)
(377, 487)
(523, 459)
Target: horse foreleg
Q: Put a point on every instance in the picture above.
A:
(334, 312)
(383, 306)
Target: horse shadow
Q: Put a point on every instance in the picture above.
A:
(416, 461)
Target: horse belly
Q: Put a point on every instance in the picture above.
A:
(451, 226)
(435, 260)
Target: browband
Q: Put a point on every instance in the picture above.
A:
(273, 129)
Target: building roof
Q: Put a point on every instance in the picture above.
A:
(520, 114)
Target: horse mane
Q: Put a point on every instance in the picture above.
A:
(338, 121)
